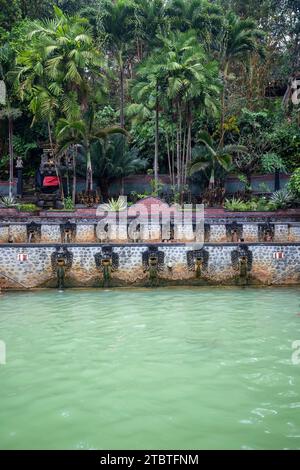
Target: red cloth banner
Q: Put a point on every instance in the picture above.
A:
(50, 181)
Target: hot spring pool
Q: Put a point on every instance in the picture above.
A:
(150, 369)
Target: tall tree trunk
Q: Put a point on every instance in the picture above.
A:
(223, 101)
(189, 144)
(122, 92)
(222, 118)
(89, 170)
(104, 188)
(173, 159)
(169, 158)
(156, 139)
(212, 178)
(178, 157)
(183, 165)
(74, 175)
(179, 145)
(11, 156)
(55, 163)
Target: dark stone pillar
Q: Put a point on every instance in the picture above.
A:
(19, 167)
(20, 182)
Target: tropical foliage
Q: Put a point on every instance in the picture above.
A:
(192, 89)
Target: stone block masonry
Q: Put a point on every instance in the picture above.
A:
(250, 233)
(294, 233)
(281, 233)
(95, 232)
(217, 233)
(18, 233)
(50, 234)
(4, 233)
(85, 233)
(272, 264)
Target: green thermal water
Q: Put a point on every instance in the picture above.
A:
(150, 369)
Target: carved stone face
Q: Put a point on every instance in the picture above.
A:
(48, 167)
(61, 262)
(106, 262)
(153, 261)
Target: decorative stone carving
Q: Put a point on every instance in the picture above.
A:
(151, 253)
(266, 232)
(242, 256)
(68, 232)
(107, 253)
(59, 255)
(33, 233)
(234, 232)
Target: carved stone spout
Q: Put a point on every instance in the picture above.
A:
(107, 262)
(153, 263)
(198, 267)
(61, 261)
(197, 261)
(242, 263)
(61, 270)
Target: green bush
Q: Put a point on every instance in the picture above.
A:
(115, 205)
(235, 204)
(28, 208)
(8, 201)
(294, 184)
(282, 199)
(254, 205)
(68, 204)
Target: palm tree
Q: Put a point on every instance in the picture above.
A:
(113, 160)
(190, 82)
(58, 71)
(149, 20)
(83, 132)
(147, 97)
(202, 16)
(212, 156)
(8, 112)
(174, 81)
(117, 24)
(63, 52)
(240, 39)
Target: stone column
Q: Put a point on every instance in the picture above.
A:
(19, 167)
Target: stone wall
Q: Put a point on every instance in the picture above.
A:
(38, 269)
(87, 232)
